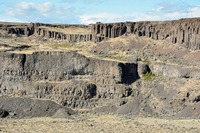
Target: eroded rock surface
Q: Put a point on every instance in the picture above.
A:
(184, 32)
(139, 68)
(69, 78)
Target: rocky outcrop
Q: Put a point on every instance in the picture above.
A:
(102, 31)
(102, 85)
(45, 31)
(64, 66)
(69, 78)
(74, 80)
(175, 71)
(184, 31)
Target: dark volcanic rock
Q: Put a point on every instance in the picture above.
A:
(174, 71)
(76, 81)
(69, 78)
(142, 68)
(38, 30)
(3, 113)
(26, 107)
(185, 32)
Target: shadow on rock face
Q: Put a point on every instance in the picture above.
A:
(3, 113)
(129, 73)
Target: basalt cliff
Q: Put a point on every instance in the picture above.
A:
(139, 68)
(184, 32)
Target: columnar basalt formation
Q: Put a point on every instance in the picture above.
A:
(45, 31)
(184, 31)
(102, 31)
(77, 81)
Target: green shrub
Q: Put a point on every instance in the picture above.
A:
(149, 76)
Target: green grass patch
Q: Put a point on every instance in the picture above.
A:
(149, 76)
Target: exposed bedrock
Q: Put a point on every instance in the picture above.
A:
(76, 81)
(58, 66)
(47, 31)
(69, 78)
(185, 32)
(175, 97)
(175, 71)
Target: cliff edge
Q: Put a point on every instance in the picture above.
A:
(138, 68)
(184, 32)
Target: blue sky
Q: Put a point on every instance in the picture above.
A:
(91, 11)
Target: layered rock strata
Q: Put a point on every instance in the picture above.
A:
(69, 78)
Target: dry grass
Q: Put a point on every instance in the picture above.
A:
(69, 30)
(118, 58)
(98, 124)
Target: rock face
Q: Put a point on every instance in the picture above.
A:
(45, 31)
(103, 85)
(184, 31)
(69, 78)
(76, 81)
(175, 71)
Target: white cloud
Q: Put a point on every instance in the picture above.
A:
(46, 13)
(44, 8)
(105, 17)
(174, 15)
(25, 5)
(157, 9)
(194, 12)
(157, 14)
(49, 13)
